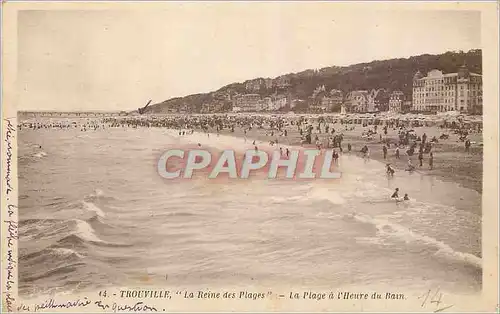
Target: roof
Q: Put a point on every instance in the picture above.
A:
(437, 74)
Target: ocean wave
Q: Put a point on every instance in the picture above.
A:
(325, 194)
(52, 252)
(96, 221)
(178, 214)
(280, 199)
(85, 231)
(97, 194)
(385, 227)
(34, 229)
(31, 221)
(61, 270)
(93, 208)
(73, 241)
(40, 155)
(370, 240)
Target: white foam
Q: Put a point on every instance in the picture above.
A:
(93, 208)
(386, 227)
(370, 240)
(85, 231)
(279, 199)
(65, 252)
(326, 194)
(40, 154)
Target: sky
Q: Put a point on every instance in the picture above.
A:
(120, 59)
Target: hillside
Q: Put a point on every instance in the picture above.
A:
(393, 74)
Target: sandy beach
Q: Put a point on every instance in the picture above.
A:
(451, 162)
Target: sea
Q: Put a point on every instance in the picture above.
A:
(94, 212)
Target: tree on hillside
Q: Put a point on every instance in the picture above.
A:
(394, 74)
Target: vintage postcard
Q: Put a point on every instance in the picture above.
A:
(249, 156)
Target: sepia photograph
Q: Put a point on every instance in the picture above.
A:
(209, 146)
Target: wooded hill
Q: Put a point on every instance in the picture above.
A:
(393, 74)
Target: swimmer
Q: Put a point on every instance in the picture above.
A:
(395, 194)
(406, 198)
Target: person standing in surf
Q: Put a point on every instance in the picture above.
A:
(411, 167)
(395, 194)
(390, 170)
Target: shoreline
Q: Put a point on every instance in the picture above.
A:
(451, 163)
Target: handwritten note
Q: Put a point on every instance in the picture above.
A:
(10, 218)
(434, 298)
(99, 305)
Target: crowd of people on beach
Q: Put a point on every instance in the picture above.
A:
(322, 132)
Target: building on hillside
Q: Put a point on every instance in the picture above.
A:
(206, 108)
(326, 103)
(381, 100)
(358, 101)
(318, 101)
(246, 103)
(268, 83)
(296, 102)
(438, 92)
(254, 85)
(265, 104)
(373, 105)
(319, 90)
(406, 104)
(282, 82)
(184, 109)
(396, 101)
(278, 102)
(336, 99)
(316, 105)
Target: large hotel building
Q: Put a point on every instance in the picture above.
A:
(461, 91)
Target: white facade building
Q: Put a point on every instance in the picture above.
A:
(438, 92)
